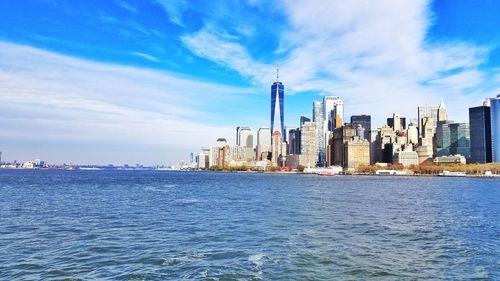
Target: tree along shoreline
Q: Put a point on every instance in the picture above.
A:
(425, 169)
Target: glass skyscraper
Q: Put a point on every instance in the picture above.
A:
(277, 108)
(480, 134)
(495, 129)
(365, 121)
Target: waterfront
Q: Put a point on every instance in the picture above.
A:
(151, 225)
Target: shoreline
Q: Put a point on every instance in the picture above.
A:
(493, 176)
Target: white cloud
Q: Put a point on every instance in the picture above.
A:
(146, 56)
(174, 9)
(51, 98)
(374, 54)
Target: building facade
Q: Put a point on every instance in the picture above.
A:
(339, 137)
(263, 143)
(309, 148)
(356, 152)
(365, 121)
(278, 108)
(480, 134)
(427, 111)
(318, 119)
(495, 128)
(244, 137)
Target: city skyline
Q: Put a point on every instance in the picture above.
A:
(149, 82)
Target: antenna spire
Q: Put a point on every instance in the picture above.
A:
(277, 73)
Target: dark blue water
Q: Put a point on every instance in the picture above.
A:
(83, 225)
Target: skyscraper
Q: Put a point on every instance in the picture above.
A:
(396, 122)
(424, 111)
(303, 120)
(278, 107)
(309, 148)
(333, 112)
(480, 133)
(263, 142)
(495, 128)
(452, 138)
(276, 141)
(244, 137)
(442, 113)
(365, 121)
(318, 119)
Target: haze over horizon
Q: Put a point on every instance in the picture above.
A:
(151, 81)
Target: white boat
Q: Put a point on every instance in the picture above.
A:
(390, 173)
(452, 174)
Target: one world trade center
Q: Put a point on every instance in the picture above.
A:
(278, 106)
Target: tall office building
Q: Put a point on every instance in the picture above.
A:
(244, 137)
(365, 121)
(303, 120)
(480, 133)
(452, 138)
(277, 145)
(263, 142)
(278, 107)
(495, 128)
(339, 138)
(396, 122)
(442, 113)
(427, 111)
(294, 137)
(333, 112)
(318, 119)
(412, 134)
(309, 148)
(460, 139)
(425, 150)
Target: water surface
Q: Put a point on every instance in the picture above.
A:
(158, 225)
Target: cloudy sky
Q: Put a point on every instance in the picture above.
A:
(149, 81)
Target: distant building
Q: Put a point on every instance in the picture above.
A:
(427, 111)
(319, 121)
(360, 132)
(340, 137)
(442, 113)
(396, 122)
(333, 113)
(495, 128)
(244, 137)
(451, 159)
(365, 122)
(276, 142)
(412, 134)
(406, 157)
(383, 146)
(356, 152)
(309, 148)
(202, 159)
(278, 107)
(373, 146)
(303, 120)
(480, 134)
(425, 149)
(263, 143)
(294, 141)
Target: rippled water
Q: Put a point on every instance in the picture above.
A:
(82, 225)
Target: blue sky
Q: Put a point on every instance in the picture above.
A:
(149, 81)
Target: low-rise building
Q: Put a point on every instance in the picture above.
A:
(450, 159)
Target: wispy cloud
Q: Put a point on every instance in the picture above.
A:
(174, 9)
(146, 56)
(49, 97)
(127, 6)
(370, 53)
